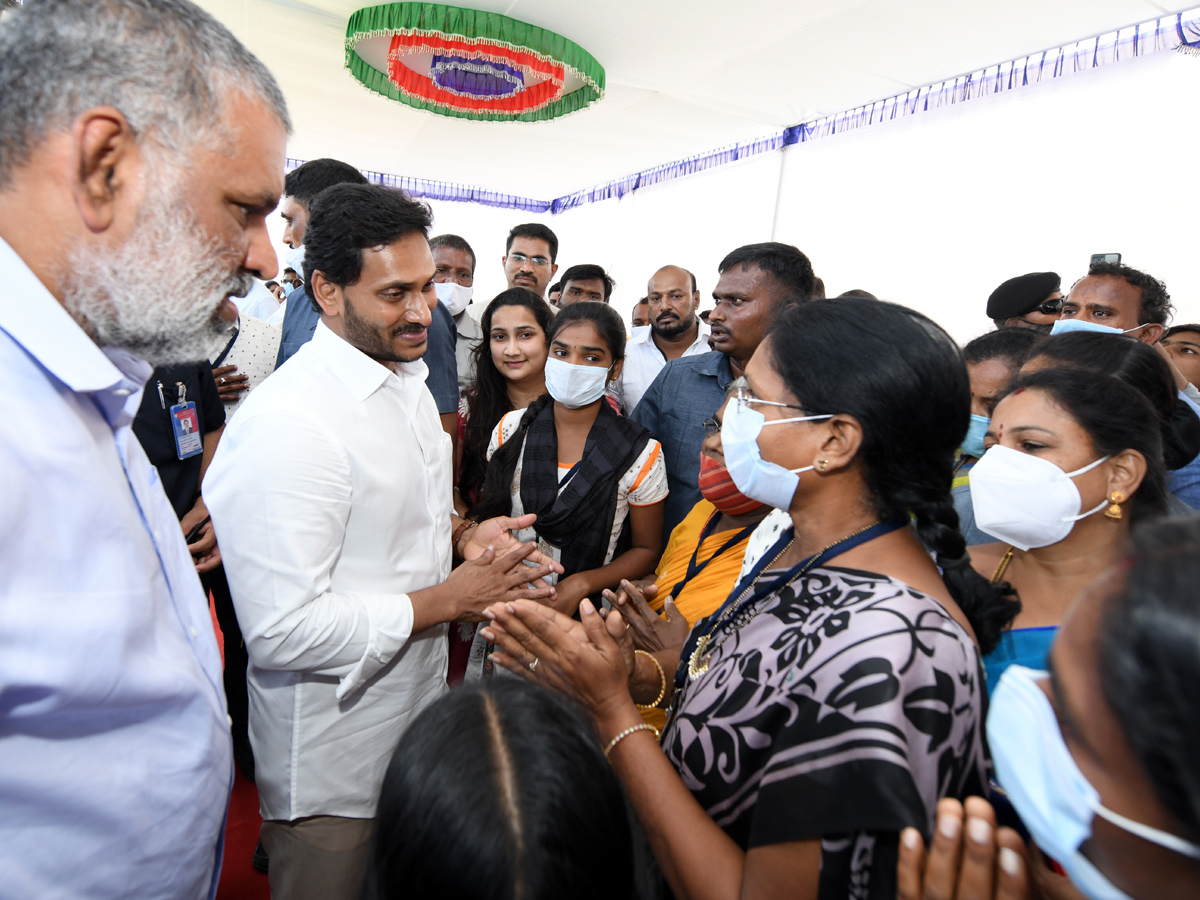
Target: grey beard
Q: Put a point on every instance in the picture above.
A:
(129, 297)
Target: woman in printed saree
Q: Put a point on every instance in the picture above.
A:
(837, 694)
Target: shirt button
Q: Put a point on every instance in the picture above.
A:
(194, 632)
(122, 392)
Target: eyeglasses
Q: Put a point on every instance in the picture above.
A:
(1051, 307)
(711, 426)
(743, 396)
(519, 258)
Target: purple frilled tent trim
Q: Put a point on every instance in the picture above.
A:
(1175, 32)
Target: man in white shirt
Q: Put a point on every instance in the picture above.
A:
(115, 757)
(675, 331)
(331, 497)
(455, 262)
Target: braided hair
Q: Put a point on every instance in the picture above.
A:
(905, 381)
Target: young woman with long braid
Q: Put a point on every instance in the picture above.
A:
(838, 693)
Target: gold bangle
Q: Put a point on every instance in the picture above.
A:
(662, 681)
(626, 733)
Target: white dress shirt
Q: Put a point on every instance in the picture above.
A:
(468, 334)
(643, 362)
(259, 302)
(115, 756)
(330, 495)
(254, 353)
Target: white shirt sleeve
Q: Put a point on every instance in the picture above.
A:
(504, 430)
(649, 472)
(279, 492)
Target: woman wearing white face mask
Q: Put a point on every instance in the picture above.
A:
(1073, 459)
(837, 694)
(1099, 755)
(591, 475)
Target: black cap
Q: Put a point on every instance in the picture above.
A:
(1022, 294)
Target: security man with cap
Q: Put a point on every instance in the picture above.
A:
(1027, 301)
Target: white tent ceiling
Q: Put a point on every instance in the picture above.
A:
(683, 77)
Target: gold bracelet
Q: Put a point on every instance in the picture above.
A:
(662, 681)
(626, 733)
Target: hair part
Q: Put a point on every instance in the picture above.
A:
(307, 180)
(789, 267)
(907, 385)
(537, 231)
(1149, 663)
(167, 65)
(346, 219)
(1012, 346)
(500, 792)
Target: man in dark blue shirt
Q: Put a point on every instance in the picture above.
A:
(756, 282)
(299, 187)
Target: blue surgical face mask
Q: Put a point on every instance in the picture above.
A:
(1066, 326)
(757, 478)
(1049, 793)
(575, 386)
(973, 444)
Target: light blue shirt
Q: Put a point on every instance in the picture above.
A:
(1184, 483)
(115, 755)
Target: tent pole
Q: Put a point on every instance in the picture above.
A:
(778, 191)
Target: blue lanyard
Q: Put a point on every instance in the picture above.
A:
(695, 568)
(735, 603)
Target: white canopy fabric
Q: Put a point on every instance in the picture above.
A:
(683, 77)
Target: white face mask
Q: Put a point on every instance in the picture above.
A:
(1066, 326)
(1024, 500)
(295, 259)
(575, 386)
(453, 296)
(758, 478)
(1049, 793)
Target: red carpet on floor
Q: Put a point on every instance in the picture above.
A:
(239, 879)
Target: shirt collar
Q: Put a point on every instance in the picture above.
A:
(361, 374)
(37, 321)
(716, 364)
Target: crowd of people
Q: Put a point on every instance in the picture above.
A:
(797, 598)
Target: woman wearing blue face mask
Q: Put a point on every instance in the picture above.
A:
(589, 474)
(837, 694)
(1073, 460)
(992, 361)
(1098, 755)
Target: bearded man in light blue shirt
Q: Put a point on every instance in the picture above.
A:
(139, 142)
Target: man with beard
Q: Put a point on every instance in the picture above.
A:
(303, 184)
(675, 331)
(756, 282)
(529, 256)
(331, 497)
(140, 144)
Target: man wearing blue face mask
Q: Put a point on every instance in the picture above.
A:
(1116, 299)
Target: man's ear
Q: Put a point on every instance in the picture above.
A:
(107, 165)
(1152, 333)
(328, 295)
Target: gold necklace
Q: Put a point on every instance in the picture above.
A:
(699, 661)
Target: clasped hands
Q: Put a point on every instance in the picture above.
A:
(498, 567)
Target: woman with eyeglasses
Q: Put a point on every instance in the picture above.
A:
(837, 694)
(1098, 755)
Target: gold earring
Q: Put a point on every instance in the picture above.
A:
(1115, 499)
(822, 464)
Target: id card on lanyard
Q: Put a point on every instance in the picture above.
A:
(185, 423)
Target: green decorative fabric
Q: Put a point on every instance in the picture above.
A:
(465, 24)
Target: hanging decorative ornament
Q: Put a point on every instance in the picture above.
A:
(470, 64)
